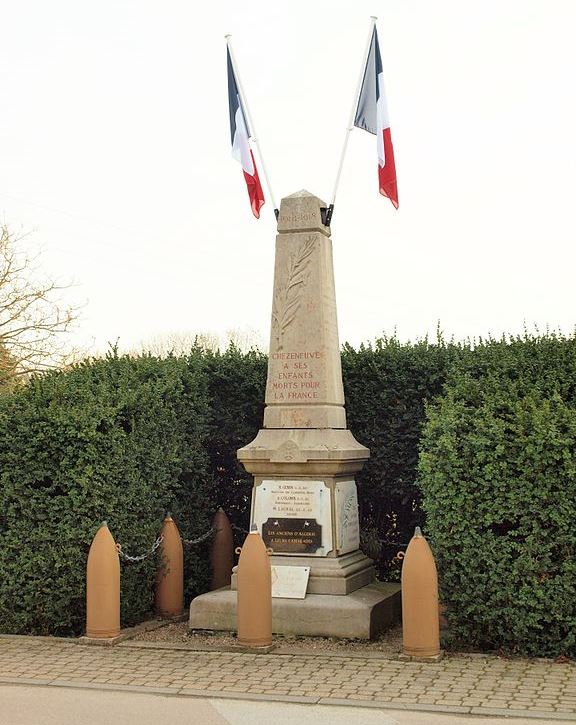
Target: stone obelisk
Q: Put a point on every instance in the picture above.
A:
(303, 459)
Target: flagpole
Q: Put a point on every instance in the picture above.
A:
(350, 126)
(250, 122)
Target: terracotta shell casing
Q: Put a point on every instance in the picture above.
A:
(103, 587)
(222, 551)
(254, 608)
(420, 626)
(169, 598)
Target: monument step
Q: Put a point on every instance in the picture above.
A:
(360, 615)
(339, 576)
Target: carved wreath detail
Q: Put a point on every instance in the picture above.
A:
(289, 295)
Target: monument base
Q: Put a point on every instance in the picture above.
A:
(363, 614)
(329, 575)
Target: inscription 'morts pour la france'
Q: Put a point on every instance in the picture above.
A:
(296, 376)
(292, 536)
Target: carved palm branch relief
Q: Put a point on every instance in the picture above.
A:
(288, 296)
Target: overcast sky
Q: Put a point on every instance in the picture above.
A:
(115, 151)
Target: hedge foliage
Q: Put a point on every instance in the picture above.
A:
(119, 439)
(498, 472)
(124, 439)
(236, 383)
(386, 387)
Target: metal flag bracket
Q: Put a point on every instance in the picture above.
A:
(326, 214)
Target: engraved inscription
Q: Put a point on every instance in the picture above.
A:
(290, 582)
(292, 536)
(296, 218)
(347, 522)
(294, 376)
(293, 498)
(295, 501)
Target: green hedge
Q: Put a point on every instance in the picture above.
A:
(498, 472)
(386, 386)
(119, 439)
(124, 439)
(236, 384)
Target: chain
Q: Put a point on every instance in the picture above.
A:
(239, 528)
(387, 542)
(211, 531)
(200, 539)
(138, 559)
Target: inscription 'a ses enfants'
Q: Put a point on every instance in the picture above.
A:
(295, 376)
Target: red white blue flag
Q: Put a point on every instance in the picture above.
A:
(372, 116)
(240, 134)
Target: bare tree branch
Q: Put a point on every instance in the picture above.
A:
(180, 343)
(33, 320)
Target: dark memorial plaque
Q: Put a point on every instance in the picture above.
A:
(292, 536)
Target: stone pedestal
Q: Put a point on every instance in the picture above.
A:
(360, 615)
(303, 460)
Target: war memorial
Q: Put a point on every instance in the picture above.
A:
(485, 466)
(304, 458)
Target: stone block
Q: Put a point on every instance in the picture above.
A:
(339, 575)
(363, 614)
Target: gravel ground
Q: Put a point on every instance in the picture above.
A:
(388, 643)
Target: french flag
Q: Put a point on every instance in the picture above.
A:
(241, 151)
(372, 116)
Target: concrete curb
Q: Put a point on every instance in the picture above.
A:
(253, 696)
(78, 685)
(129, 632)
(124, 635)
(281, 651)
(302, 699)
(126, 639)
(529, 714)
(39, 639)
(287, 652)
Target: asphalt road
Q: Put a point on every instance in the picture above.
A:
(36, 705)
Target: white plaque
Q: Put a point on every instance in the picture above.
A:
(290, 582)
(347, 523)
(295, 499)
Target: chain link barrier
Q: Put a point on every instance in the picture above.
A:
(211, 531)
(387, 542)
(239, 528)
(401, 545)
(155, 546)
(137, 559)
(200, 539)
